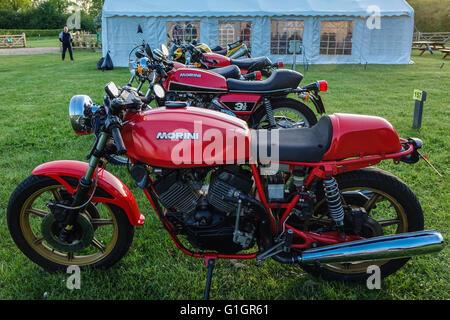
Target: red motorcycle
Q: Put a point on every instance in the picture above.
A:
(189, 54)
(313, 202)
(262, 104)
(211, 60)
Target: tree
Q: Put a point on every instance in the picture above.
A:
(97, 6)
(15, 5)
(61, 6)
(46, 16)
(431, 15)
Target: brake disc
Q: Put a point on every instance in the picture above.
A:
(80, 237)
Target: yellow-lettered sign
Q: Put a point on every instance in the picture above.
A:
(418, 95)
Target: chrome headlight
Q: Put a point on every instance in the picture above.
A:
(81, 108)
(159, 91)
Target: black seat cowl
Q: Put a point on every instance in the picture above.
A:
(219, 51)
(229, 72)
(252, 64)
(280, 81)
(217, 48)
(296, 144)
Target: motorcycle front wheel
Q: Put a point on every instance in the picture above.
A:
(288, 113)
(391, 208)
(101, 235)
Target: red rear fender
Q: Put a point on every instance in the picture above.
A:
(109, 190)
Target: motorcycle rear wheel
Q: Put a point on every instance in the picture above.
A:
(390, 202)
(287, 112)
(112, 231)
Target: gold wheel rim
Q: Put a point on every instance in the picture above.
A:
(286, 114)
(38, 243)
(361, 267)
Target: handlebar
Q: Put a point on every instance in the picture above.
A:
(118, 141)
(113, 125)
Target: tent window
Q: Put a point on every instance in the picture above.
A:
(336, 37)
(282, 32)
(184, 31)
(232, 31)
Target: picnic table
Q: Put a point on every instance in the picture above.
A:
(446, 52)
(424, 45)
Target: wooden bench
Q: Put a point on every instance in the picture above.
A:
(446, 52)
(13, 41)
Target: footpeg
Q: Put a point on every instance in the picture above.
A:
(283, 246)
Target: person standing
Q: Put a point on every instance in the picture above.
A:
(66, 39)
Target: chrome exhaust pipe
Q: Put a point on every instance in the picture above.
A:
(378, 248)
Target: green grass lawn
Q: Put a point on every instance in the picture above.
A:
(34, 128)
(35, 42)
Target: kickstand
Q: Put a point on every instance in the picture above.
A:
(210, 262)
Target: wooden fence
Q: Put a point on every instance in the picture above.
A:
(432, 36)
(13, 41)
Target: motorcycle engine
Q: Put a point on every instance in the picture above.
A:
(200, 212)
(198, 100)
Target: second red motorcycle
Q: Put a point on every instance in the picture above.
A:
(262, 104)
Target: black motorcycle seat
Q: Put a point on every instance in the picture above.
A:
(280, 80)
(296, 144)
(220, 51)
(229, 72)
(252, 64)
(217, 48)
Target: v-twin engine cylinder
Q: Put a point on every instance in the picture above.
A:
(202, 213)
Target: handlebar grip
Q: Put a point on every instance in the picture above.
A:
(115, 131)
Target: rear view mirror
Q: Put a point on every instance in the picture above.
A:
(148, 50)
(165, 50)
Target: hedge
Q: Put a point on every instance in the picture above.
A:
(32, 32)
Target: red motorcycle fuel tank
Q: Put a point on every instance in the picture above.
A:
(215, 60)
(186, 137)
(195, 80)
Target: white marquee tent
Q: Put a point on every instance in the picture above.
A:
(337, 31)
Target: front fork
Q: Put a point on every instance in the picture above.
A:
(84, 185)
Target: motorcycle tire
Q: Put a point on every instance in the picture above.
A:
(389, 192)
(259, 118)
(25, 223)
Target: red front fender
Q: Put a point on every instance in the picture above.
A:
(109, 188)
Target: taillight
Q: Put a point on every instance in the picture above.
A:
(323, 85)
(258, 75)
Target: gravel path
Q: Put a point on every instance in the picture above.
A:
(18, 51)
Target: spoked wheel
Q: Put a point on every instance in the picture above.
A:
(388, 207)
(101, 235)
(288, 113)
